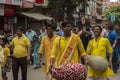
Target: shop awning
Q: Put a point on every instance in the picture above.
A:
(36, 16)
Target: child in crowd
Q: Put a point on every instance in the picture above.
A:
(7, 61)
(36, 49)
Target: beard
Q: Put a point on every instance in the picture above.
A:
(67, 33)
(97, 34)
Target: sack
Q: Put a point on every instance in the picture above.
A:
(1, 56)
(70, 71)
(97, 63)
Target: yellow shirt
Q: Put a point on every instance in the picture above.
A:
(63, 43)
(20, 46)
(99, 48)
(6, 51)
(46, 47)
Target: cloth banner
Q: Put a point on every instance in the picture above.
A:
(39, 1)
(27, 4)
(7, 10)
(11, 2)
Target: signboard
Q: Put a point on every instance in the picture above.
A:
(7, 10)
(17, 2)
(112, 17)
(1, 10)
(39, 1)
(27, 4)
(13, 20)
(2, 1)
(11, 2)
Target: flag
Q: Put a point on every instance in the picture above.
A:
(112, 17)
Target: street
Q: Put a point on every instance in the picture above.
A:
(37, 74)
(33, 74)
(66, 30)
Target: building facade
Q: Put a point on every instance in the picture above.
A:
(10, 13)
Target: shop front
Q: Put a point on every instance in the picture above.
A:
(7, 17)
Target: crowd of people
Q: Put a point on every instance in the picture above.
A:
(50, 47)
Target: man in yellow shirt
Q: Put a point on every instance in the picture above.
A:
(98, 47)
(46, 47)
(63, 41)
(21, 54)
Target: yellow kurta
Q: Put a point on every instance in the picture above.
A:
(46, 47)
(99, 48)
(63, 43)
(6, 51)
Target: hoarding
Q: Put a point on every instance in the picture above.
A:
(27, 4)
(11, 2)
(7, 10)
(39, 1)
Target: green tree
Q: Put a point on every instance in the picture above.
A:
(67, 6)
(115, 10)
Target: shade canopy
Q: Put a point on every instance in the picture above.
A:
(36, 16)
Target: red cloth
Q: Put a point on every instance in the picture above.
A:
(39, 1)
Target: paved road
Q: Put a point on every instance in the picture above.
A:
(116, 76)
(39, 75)
(33, 74)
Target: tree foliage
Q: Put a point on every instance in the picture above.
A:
(115, 10)
(67, 6)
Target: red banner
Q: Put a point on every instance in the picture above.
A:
(39, 1)
(9, 11)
